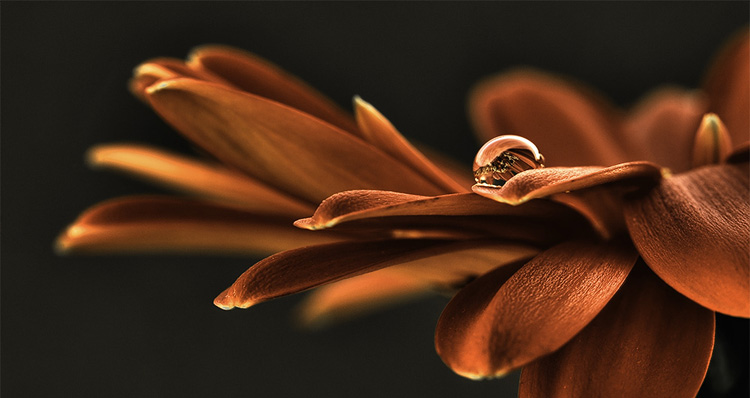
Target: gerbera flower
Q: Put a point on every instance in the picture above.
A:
(629, 312)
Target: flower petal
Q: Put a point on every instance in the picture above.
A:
(163, 224)
(712, 142)
(257, 76)
(493, 326)
(157, 69)
(297, 270)
(728, 86)
(538, 183)
(360, 204)
(378, 131)
(661, 128)
(649, 341)
(444, 272)
(357, 296)
(693, 230)
(283, 147)
(569, 126)
(194, 176)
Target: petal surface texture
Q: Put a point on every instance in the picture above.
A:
(569, 126)
(693, 230)
(648, 342)
(500, 322)
(281, 146)
(163, 224)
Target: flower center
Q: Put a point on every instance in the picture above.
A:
(503, 157)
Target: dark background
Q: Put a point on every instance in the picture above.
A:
(144, 326)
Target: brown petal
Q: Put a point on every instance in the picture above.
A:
(538, 183)
(712, 142)
(257, 76)
(360, 204)
(297, 270)
(157, 69)
(693, 230)
(163, 224)
(493, 326)
(378, 131)
(357, 296)
(444, 272)
(198, 177)
(281, 146)
(569, 126)
(728, 86)
(649, 341)
(661, 128)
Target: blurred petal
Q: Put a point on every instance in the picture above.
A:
(357, 296)
(649, 341)
(569, 126)
(712, 142)
(538, 183)
(728, 86)
(257, 76)
(194, 176)
(493, 326)
(163, 224)
(693, 230)
(661, 128)
(297, 270)
(359, 204)
(378, 131)
(157, 69)
(281, 146)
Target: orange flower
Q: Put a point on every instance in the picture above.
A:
(629, 312)
(579, 285)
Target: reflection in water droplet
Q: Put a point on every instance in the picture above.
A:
(503, 157)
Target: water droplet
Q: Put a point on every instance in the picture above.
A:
(503, 157)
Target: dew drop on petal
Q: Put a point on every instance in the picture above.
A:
(503, 157)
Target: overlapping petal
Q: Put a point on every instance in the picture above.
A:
(359, 295)
(197, 177)
(443, 272)
(539, 183)
(300, 269)
(153, 223)
(360, 204)
(499, 322)
(281, 146)
(571, 126)
(157, 69)
(661, 128)
(252, 74)
(378, 131)
(693, 230)
(649, 341)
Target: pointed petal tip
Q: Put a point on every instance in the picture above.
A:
(712, 141)
(226, 301)
(306, 223)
